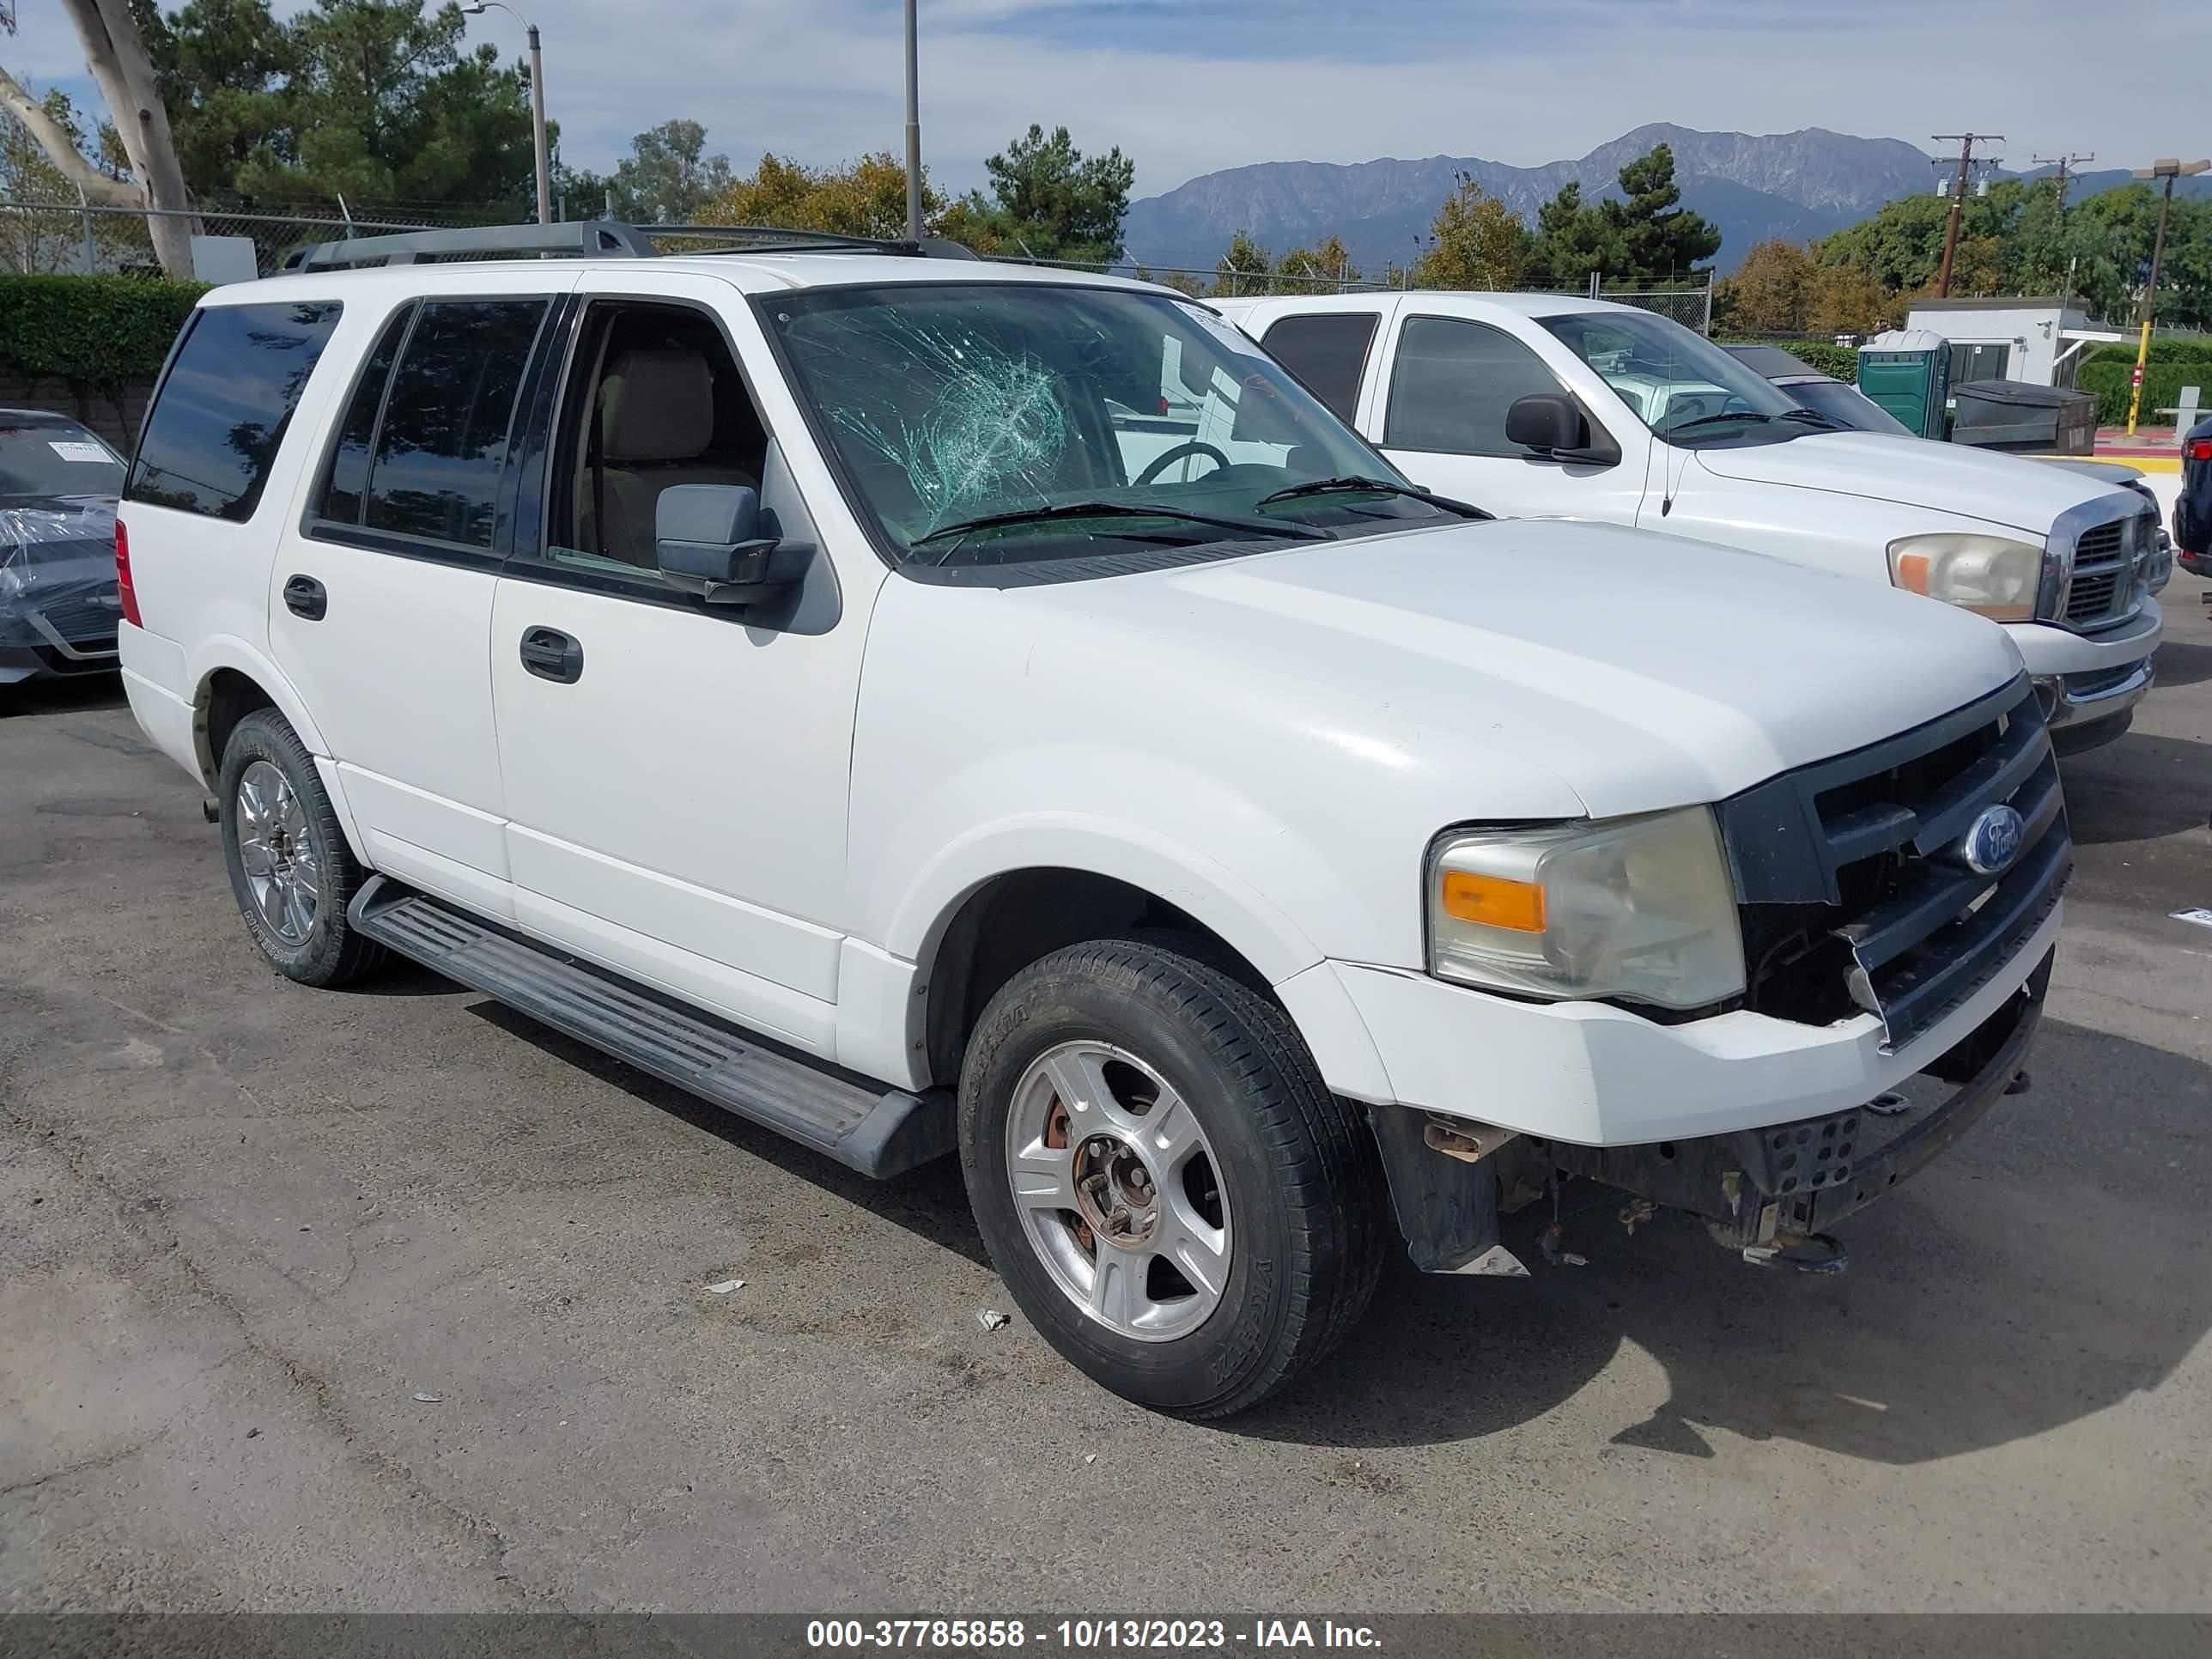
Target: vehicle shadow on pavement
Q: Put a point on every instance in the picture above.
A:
(2046, 1268)
(2139, 788)
(2183, 662)
(930, 1202)
(52, 697)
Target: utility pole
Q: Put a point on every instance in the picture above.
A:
(2168, 169)
(2067, 166)
(1965, 141)
(913, 127)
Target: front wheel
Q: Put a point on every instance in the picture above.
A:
(1171, 1193)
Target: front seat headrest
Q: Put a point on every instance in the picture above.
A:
(657, 406)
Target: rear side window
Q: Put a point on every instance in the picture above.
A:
(1452, 384)
(441, 446)
(215, 429)
(1327, 353)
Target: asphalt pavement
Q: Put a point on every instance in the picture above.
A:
(391, 1299)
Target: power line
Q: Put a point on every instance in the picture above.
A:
(1965, 141)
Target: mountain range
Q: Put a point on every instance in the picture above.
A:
(1800, 185)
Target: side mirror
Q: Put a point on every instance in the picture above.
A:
(715, 540)
(1553, 424)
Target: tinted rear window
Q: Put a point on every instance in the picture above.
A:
(442, 442)
(215, 427)
(1327, 352)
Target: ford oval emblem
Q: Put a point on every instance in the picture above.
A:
(1992, 841)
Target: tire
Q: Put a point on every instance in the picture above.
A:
(1079, 1072)
(312, 943)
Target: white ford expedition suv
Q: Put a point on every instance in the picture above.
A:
(1543, 404)
(802, 672)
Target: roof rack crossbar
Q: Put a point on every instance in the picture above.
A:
(578, 237)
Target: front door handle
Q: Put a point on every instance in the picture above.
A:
(552, 655)
(306, 598)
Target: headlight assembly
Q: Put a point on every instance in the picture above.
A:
(1994, 575)
(1638, 908)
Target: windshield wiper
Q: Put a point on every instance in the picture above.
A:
(959, 533)
(1353, 484)
(1719, 420)
(1813, 417)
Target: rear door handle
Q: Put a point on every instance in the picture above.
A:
(552, 655)
(306, 598)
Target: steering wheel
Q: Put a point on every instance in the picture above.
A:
(1162, 461)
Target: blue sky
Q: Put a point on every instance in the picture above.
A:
(1186, 86)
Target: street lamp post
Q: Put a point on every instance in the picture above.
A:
(2168, 169)
(912, 128)
(476, 9)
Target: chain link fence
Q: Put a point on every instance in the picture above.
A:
(51, 237)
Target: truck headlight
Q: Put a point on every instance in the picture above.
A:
(1639, 909)
(1994, 575)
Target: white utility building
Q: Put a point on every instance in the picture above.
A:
(2039, 341)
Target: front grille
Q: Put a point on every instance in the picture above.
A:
(2106, 558)
(82, 622)
(2098, 543)
(2091, 595)
(1854, 896)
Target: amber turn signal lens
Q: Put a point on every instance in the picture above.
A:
(1494, 902)
(1912, 573)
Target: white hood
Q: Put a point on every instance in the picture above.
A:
(2011, 490)
(1643, 671)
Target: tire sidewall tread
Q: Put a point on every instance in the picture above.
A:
(334, 954)
(1308, 1210)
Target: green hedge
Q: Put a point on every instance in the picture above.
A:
(1841, 362)
(90, 333)
(2162, 384)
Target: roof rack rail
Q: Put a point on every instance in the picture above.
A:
(781, 239)
(586, 238)
(579, 237)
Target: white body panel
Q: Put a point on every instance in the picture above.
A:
(682, 805)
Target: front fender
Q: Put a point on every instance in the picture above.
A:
(1188, 879)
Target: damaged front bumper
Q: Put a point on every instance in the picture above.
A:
(1763, 1190)
(1792, 1180)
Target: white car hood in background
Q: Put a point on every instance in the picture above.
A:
(1974, 483)
(1644, 671)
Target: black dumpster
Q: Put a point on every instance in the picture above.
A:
(2043, 420)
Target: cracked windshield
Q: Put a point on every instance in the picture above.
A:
(1006, 423)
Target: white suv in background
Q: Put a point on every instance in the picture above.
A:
(1547, 405)
(805, 672)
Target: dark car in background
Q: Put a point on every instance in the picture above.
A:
(2192, 508)
(58, 603)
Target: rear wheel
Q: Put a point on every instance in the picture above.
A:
(1173, 1196)
(291, 869)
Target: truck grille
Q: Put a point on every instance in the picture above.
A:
(2091, 596)
(1854, 896)
(83, 622)
(2105, 560)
